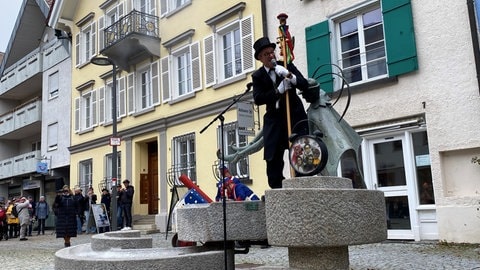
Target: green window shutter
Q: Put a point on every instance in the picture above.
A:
(319, 55)
(399, 37)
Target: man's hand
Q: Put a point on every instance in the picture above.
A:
(281, 71)
(284, 86)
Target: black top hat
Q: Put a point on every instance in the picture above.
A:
(261, 44)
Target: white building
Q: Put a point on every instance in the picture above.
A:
(412, 67)
(34, 108)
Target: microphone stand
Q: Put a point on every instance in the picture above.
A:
(224, 199)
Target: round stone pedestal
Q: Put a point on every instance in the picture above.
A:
(318, 217)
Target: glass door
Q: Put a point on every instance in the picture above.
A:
(389, 174)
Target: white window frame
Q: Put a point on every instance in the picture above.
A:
(357, 14)
(85, 171)
(214, 74)
(232, 137)
(144, 89)
(182, 68)
(53, 85)
(171, 6)
(88, 107)
(52, 136)
(184, 155)
(232, 30)
(87, 44)
(108, 166)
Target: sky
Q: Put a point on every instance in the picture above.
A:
(8, 15)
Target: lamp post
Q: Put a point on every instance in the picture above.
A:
(114, 140)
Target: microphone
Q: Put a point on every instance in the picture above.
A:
(249, 85)
(274, 62)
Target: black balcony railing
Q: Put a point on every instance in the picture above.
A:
(133, 23)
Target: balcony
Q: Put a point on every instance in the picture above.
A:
(133, 38)
(19, 165)
(24, 121)
(24, 78)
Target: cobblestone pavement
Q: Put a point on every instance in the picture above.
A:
(39, 251)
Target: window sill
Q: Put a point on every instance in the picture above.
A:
(144, 111)
(110, 122)
(230, 81)
(370, 85)
(182, 98)
(83, 131)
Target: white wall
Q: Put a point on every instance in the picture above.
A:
(445, 82)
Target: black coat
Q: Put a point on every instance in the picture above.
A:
(67, 208)
(275, 129)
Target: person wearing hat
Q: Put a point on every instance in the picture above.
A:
(24, 217)
(232, 188)
(127, 200)
(271, 83)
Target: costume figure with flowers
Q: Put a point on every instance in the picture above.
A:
(233, 189)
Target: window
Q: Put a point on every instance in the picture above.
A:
(85, 174)
(184, 155)
(169, 6)
(110, 18)
(52, 136)
(362, 47)
(86, 111)
(145, 6)
(143, 89)
(231, 56)
(373, 41)
(36, 146)
(231, 137)
(181, 69)
(108, 167)
(423, 168)
(228, 52)
(53, 85)
(85, 44)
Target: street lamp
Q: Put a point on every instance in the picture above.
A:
(114, 140)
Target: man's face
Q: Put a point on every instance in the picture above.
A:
(266, 55)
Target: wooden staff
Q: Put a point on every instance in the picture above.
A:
(286, 45)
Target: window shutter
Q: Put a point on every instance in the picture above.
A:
(165, 79)
(399, 37)
(121, 98)
(77, 49)
(246, 30)
(94, 108)
(319, 55)
(155, 82)
(163, 7)
(101, 105)
(77, 114)
(101, 26)
(131, 93)
(94, 40)
(209, 52)
(196, 69)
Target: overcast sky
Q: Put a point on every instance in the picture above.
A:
(8, 16)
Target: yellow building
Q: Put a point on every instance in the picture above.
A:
(180, 64)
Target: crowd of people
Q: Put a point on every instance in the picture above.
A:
(72, 211)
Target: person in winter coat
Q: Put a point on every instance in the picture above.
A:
(78, 196)
(127, 200)
(90, 198)
(24, 217)
(12, 222)
(67, 206)
(41, 213)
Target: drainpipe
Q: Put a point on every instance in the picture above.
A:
(264, 18)
(474, 34)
